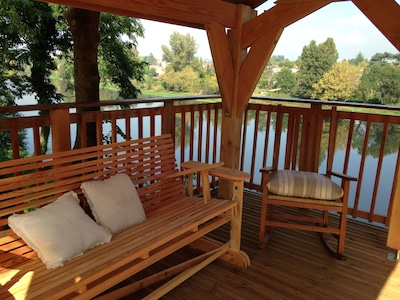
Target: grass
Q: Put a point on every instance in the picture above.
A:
(160, 94)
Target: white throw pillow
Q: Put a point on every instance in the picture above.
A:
(114, 202)
(59, 231)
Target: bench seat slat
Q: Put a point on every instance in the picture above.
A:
(142, 238)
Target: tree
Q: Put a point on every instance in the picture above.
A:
(340, 83)
(285, 80)
(150, 59)
(359, 59)
(182, 52)
(385, 58)
(267, 77)
(381, 84)
(34, 33)
(30, 36)
(183, 81)
(281, 61)
(100, 38)
(314, 61)
(118, 57)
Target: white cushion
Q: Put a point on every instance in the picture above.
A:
(114, 202)
(304, 185)
(59, 231)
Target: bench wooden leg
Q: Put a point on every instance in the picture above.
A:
(206, 244)
(153, 279)
(167, 287)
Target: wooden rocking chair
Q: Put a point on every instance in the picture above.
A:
(298, 184)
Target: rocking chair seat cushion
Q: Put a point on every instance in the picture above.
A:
(303, 185)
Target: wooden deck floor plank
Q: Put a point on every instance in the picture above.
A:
(294, 265)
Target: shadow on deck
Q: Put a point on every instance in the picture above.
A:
(294, 265)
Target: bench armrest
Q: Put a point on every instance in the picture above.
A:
(214, 170)
(342, 175)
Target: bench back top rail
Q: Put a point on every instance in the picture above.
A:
(29, 183)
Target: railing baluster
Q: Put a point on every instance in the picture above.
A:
(378, 171)
(362, 167)
(244, 137)
(36, 137)
(127, 125)
(200, 135)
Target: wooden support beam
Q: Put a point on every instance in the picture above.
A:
(194, 13)
(393, 240)
(223, 62)
(385, 15)
(282, 15)
(254, 65)
(262, 35)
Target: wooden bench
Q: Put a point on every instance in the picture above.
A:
(174, 220)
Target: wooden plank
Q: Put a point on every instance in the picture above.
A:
(385, 15)
(178, 12)
(281, 15)
(393, 240)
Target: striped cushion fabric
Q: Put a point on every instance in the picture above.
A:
(304, 185)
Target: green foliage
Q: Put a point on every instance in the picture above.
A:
(184, 81)
(118, 59)
(281, 61)
(267, 78)
(185, 72)
(182, 52)
(381, 83)
(385, 58)
(358, 60)
(150, 59)
(340, 83)
(285, 80)
(313, 62)
(29, 42)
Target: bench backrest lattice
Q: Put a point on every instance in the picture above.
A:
(23, 182)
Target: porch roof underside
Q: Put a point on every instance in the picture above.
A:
(384, 14)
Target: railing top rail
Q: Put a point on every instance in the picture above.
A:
(34, 107)
(330, 103)
(125, 102)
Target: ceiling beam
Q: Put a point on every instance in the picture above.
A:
(385, 15)
(193, 13)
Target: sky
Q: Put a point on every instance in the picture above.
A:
(352, 32)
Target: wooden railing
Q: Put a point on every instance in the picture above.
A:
(366, 138)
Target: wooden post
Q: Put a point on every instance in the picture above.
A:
(60, 129)
(232, 120)
(393, 240)
(168, 119)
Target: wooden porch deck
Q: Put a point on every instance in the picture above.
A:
(294, 265)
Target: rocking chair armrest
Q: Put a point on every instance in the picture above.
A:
(342, 175)
(268, 169)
